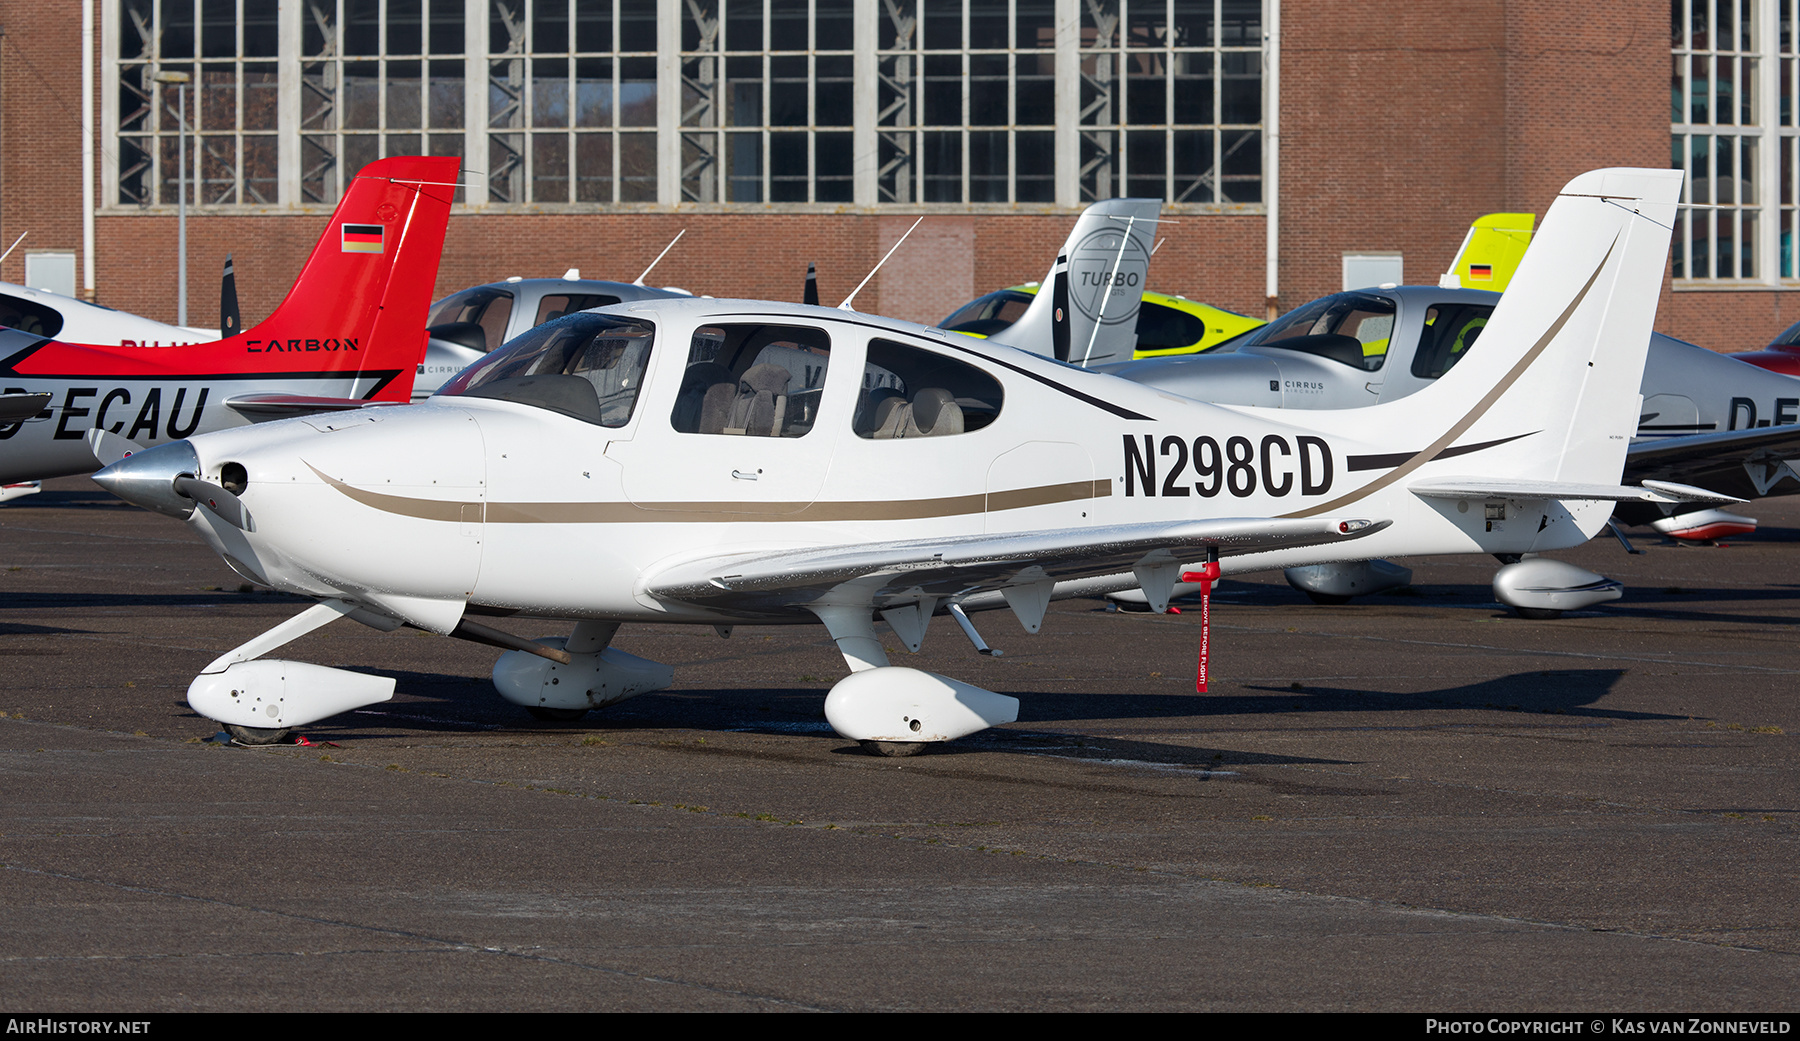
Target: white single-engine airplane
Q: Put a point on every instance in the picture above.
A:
(351, 331)
(733, 463)
(52, 314)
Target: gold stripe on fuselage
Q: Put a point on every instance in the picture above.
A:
(701, 512)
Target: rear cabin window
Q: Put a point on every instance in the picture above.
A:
(1161, 328)
(29, 317)
(1450, 330)
(752, 381)
(589, 366)
(556, 305)
(987, 315)
(908, 392)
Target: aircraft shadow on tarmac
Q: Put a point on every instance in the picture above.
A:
(1561, 692)
(429, 704)
(435, 704)
(22, 629)
(206, 598)
(64, 499)
(1641, 601)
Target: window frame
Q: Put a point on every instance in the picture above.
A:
(499, 144)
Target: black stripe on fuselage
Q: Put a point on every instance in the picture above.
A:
(1391, 459)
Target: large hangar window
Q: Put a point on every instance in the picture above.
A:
(228, 50)
(1171, 100)
(973, 105)
(572, 101)
(1735, 132)
(767, 101)
(966, 101)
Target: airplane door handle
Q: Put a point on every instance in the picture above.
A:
(745, 476)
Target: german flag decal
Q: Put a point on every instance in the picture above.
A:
(1477, 272)
(362, 238)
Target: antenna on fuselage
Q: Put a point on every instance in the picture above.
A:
(845, 306)
(659, 256)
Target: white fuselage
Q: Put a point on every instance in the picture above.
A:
(516, 507)
(77, 321)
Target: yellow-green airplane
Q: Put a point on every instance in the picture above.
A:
(1165, 325)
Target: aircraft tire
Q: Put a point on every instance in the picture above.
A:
(1327, 599)
(556, 715)
(893, 749)
(1539, 614)
(258, 735)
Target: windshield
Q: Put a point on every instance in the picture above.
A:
(987, 315)
(589, 366)
(484, 306)
(1352, 328)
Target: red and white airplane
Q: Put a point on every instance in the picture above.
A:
(351, 331)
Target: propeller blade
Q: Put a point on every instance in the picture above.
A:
(230, 321)
(812, 286)
(227, 506)
(109, 448)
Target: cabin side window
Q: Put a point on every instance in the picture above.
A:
(908, 392)
(1450, 330)
(752, 381)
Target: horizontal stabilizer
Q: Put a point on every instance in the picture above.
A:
(1488, 487)
(261, 408)
(16, 407)
(892, 573)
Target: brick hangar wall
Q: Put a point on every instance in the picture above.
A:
(1400, 124)
(40, 132)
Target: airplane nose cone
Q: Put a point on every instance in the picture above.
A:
(147, 478)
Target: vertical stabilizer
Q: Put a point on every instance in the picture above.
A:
(1552, 393)
(357, 308)
(1490, 253)
(374, 268)
(1089, 301)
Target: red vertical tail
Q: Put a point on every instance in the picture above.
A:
(367, 286)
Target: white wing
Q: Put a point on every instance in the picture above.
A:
(1023, 567)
